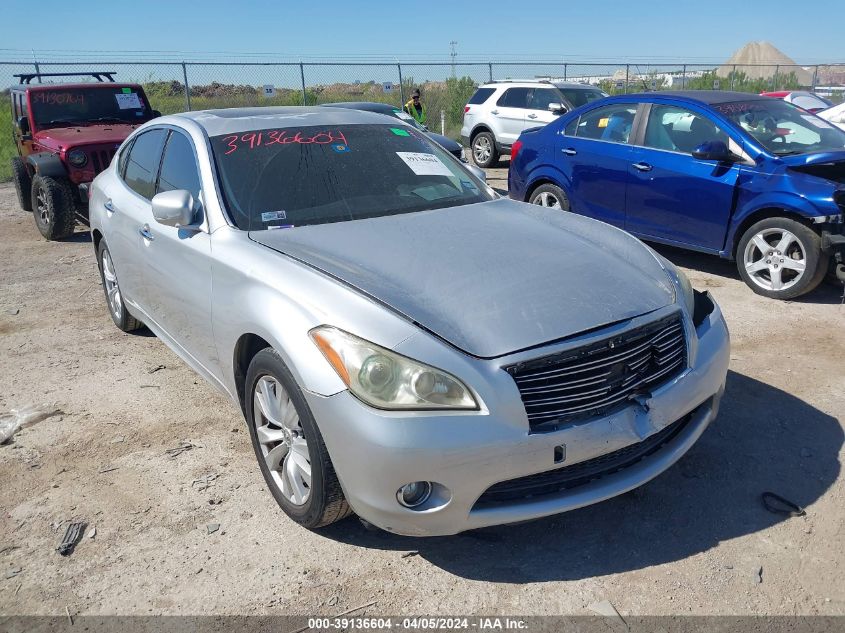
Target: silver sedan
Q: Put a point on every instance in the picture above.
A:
(403, 343)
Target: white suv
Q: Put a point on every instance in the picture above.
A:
(498, 112)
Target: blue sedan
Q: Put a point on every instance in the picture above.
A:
(741, 176)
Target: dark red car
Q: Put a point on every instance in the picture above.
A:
(809, 101)
(65, 135)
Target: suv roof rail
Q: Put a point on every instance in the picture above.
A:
(521, 81)
(27, 78)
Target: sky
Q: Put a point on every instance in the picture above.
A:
(574, 30)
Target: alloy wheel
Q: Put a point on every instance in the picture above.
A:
(775, 259)
(112, 288)
(482, 149)
(43, 207)
(282, 440)
(547, 199)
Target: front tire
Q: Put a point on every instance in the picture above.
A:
(550, 196)
(114, 297)
(54, 207)
(23, 183)
(780, 258)
(290, 449)
(484, 152)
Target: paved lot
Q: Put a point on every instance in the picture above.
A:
(692, 541)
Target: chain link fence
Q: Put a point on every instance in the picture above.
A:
(445, 87)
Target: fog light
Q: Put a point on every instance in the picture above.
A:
(414, 494)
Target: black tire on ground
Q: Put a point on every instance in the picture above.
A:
(53, 206)
(122, 318)
(483, 150)
(548, 195)
(806, 246)
(326, 503)
(23, 183)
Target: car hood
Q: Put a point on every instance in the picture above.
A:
(64, 137)
(489, 278)
(814, 158)
(448, 144)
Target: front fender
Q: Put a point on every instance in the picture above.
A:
(790, 203)
(47, 164)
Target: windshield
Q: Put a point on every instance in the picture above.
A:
(284, 178)
(783, 128)
(580, 96)
(407, 118)
(73, 105)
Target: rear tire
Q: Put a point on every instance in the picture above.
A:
(54, 207)
(23, 183)
(290, 449)
(483, 148)
(780, 258)
(550, 196)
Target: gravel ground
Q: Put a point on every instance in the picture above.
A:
(694, 541)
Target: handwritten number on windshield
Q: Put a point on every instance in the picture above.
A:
(265, 138)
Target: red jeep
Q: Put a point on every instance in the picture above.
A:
(65, 135)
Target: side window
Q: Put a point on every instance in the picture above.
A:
(608, 123)
(179, 166)
(514, 98)
(571, 128)
(679, 130)
(481, 95)
(124, 158)
(143, 161)
(542, 97)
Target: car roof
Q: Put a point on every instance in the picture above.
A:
(230, 120)
(708, 97)
(520, 83)
(369, 106)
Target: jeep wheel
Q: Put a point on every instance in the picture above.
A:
(23, 183)
(780, 258)
(484, 152)
(54, 207)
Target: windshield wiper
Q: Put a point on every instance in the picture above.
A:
(71, 121)
(108, 119)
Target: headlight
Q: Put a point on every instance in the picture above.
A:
(387, 380)
(77, 158)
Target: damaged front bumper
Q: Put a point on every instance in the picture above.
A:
(476, 460)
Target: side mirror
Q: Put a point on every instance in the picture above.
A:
(557, 108)
(714, 150)
(174, 208)
(156, 114)
(23, 124)
(477, 172)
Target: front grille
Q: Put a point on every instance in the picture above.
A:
(100, 158)
(563, 389)
(569, 477)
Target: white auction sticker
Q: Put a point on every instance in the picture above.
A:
(424, 164)
(128, 101)
(820, 123)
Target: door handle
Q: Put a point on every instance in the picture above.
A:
(532, 116)
(109, 206)
(494, 112)
(642, 166)
(146, 233)
(569, 151)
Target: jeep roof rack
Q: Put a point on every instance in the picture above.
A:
(521, 81)
(27, 78)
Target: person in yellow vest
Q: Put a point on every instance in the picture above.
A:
(415, 108)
